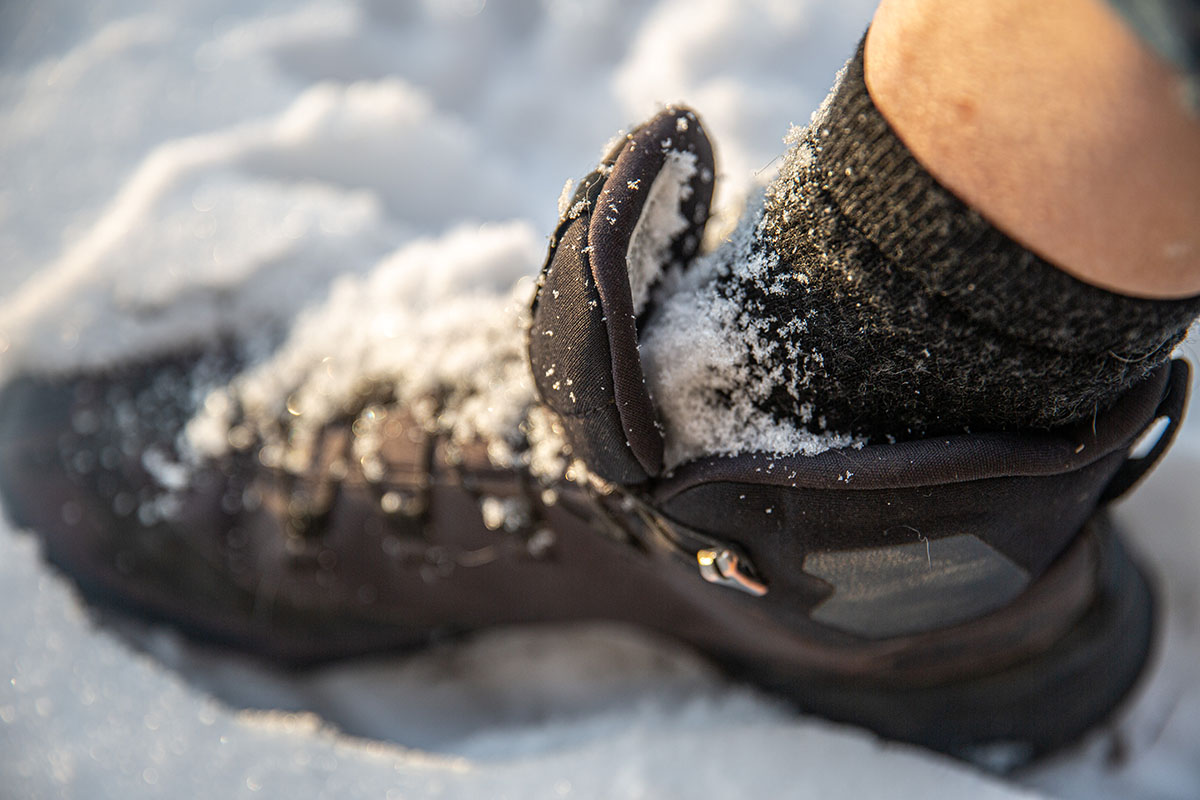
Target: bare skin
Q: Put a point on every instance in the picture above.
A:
(1055, 122)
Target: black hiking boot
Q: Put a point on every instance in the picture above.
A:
(966, 593)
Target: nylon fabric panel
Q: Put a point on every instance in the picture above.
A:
(571, 361)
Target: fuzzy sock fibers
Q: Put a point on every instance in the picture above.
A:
(865, 298)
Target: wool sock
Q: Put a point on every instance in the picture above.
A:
(864, 298)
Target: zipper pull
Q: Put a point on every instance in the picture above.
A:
(723, 566)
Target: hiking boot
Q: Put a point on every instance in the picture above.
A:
(966, 593)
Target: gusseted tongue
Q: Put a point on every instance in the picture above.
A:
(641, 213)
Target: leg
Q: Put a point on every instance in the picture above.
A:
(1057, 124)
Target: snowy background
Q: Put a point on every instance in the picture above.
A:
(176, 167)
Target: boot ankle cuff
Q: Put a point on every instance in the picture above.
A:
(925, 230)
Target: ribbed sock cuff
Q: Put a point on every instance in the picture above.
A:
(925, 230)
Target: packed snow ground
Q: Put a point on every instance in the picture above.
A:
(178, 167)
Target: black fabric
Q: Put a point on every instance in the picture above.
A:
(583, 337)
(617, 213)
(570, 357)
(915, 315)
(1025, 495)
(950, 459)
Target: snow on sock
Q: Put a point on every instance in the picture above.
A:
(865, 298)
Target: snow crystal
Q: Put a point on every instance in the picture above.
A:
(564, 199)
(695, 350)
(441, 318)
(167, 473)
(659, 225)
(508, 513)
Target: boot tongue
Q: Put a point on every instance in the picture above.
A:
(643, 211)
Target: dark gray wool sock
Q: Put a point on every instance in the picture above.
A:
(924, 318)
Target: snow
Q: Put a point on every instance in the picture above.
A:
(439, 317)
(660, 223)
(336, 171)
(84, 717)
(709, 400)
